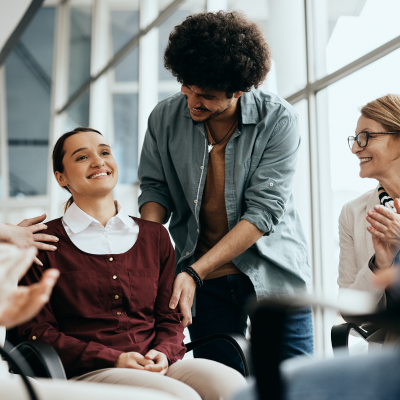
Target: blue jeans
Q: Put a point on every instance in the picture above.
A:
(221, 308)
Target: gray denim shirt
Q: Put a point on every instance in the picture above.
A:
(260, 162)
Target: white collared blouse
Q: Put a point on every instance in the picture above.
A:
(90, 236)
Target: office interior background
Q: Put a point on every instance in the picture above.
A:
(96, 63)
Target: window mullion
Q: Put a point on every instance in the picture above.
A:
(99, 107)
(148, 67)
(59, 94)
(316, 245)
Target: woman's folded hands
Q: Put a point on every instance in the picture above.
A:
(153, 361)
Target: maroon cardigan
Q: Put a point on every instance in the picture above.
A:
(106, 305)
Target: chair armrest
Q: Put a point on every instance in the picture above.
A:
(21, 367)
(239, 342)
(42, 358)
(340, 336)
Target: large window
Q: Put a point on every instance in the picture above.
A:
(28, 83)
(352, 59)
(79, 54)
(348, 30)
(285, 33)
(330, 57)
(167, 84)
(124, 81)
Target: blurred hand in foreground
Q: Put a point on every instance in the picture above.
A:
(21, 303)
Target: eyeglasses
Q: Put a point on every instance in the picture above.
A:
(363, 137)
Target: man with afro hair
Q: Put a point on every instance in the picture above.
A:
(219, 159)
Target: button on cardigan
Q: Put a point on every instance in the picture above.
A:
(93, 317)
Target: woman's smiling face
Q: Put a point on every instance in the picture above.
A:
(90, 169)
(382, 154)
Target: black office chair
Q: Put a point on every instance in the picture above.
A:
(40, 360)
(370, 332)
(20, 367)
(44, 361)
(268, 318)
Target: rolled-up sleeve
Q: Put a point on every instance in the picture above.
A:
(272, 181)
(153, 183)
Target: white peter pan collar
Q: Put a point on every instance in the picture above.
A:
(77, 220)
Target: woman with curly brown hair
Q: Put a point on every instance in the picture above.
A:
(219, 159)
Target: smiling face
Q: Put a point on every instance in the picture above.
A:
(89, 167)
(207, 104)
(381, 156)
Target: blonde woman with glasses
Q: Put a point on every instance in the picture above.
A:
(369, 226)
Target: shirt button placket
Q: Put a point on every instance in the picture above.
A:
(116, 286)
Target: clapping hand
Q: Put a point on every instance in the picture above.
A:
(385, 231)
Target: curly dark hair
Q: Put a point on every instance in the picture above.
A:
(221, 51)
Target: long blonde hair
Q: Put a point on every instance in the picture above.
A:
(385, 110)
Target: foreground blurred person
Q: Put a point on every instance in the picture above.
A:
(108, 317)
(369, 376)
(369, 226)
(19, 304)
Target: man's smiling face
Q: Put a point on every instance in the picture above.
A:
(207, 104)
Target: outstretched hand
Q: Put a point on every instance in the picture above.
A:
(182, 295)
(21, 303)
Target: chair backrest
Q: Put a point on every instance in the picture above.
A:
(267, 326)
(373, 328)
(12, 336)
